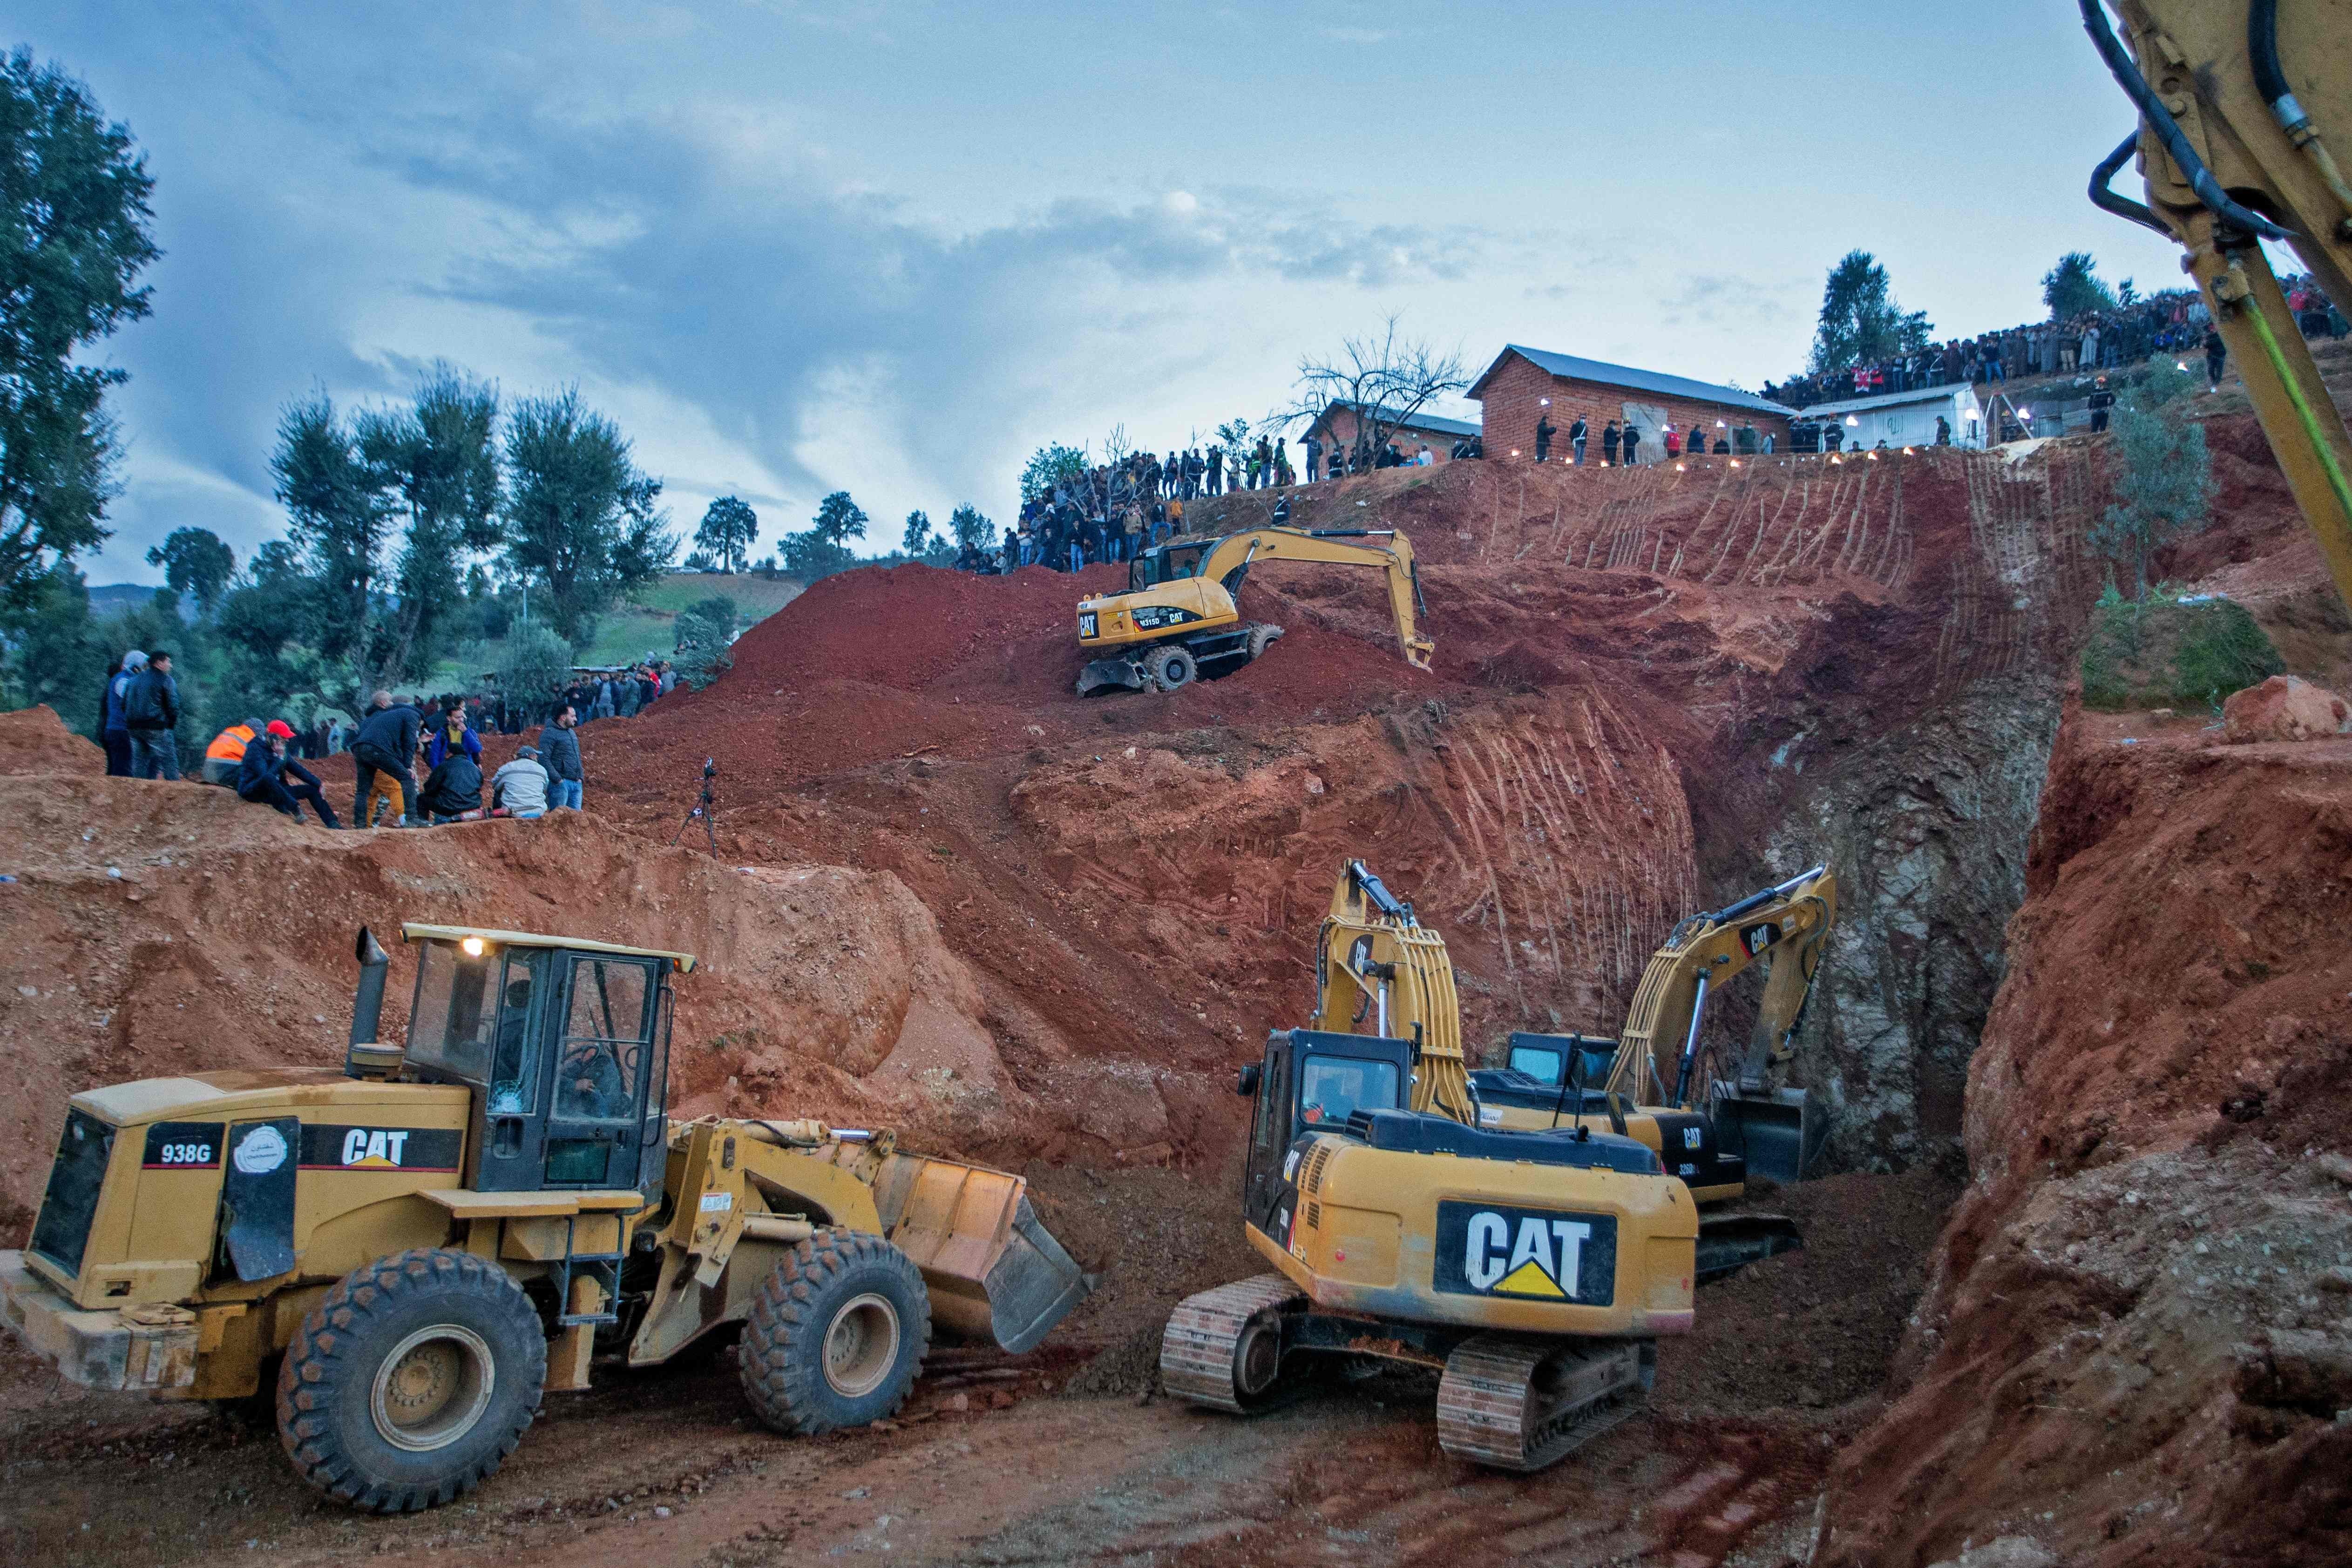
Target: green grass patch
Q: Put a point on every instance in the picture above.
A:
(647, 623)
(2167, 652)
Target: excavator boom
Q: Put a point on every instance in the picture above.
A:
(2244, 109)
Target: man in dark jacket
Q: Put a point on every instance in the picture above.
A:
(151, 711)
(262, 776)
(1609, 442)
(113, 733)
(2101, 402)
(386, 743)
(1544, 431)
(454, 789)
(559, 754)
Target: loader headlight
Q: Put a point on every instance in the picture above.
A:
(474, 946)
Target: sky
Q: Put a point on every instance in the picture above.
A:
(893, 247)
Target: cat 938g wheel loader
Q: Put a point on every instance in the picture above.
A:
(415, 1248)
(1535, 1269)
(1178, 619)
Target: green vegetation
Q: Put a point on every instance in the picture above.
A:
(2165, 477)
(1860, 320)
(2073, 287)
(2163, 651)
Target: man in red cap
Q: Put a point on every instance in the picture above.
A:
(265, 774)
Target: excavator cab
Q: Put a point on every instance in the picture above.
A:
(1166, 563)
(1312, 1081)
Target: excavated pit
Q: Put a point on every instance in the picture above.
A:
(1040, 931)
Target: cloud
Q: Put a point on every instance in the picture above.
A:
(1364, 35)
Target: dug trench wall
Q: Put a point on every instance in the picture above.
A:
(2136, 1344)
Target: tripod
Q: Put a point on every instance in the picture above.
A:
(706, 809)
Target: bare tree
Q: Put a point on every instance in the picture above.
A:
(1383, 378)
(1117, 448)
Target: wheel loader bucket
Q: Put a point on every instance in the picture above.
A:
(1780, 1135)
(1111, 674)
(995, 1272)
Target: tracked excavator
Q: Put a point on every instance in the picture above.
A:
(2244, 107)
(1661, 1081)
(1534, 1270)
(409, 1253)
(1178, 620)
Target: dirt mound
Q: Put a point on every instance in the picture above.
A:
(158, 928)
(35, 741)
(2139, 1333)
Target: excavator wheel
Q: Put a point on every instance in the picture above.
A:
(1260, 639)
(1170, 666)
(836, 1334)
(1223, 1348)
(1519, 1402)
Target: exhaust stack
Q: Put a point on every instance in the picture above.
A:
(365, 1058)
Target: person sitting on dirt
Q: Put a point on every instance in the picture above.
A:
(453, 791)
(453, 733)
(227, 750)
(519, 788)
(263, 776)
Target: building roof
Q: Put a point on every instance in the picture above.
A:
(1576, 369)
(1417, 421)
(1943, 393)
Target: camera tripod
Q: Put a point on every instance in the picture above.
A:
(706, 808)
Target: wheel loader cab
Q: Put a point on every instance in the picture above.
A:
(1310, 1081)
(565, 1049)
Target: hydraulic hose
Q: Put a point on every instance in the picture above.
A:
(2104, 197)
(2167, 129)
(2269, 79)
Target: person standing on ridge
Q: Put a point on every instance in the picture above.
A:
(559, 754)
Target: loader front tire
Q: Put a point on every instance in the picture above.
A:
(412, 1381)
(836, 1334)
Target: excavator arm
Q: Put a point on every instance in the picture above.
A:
(1230, 559)
(1380, 971)
(2242, 110)
(1785, 924)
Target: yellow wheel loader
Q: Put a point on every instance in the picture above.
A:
(412, 1251)
(1534, 1270)
(1177, 619)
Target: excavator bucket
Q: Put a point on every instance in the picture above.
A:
(995, 1273)
(1111, 675)
(1780, 1134)
(1729, 1242)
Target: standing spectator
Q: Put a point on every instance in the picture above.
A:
(151, 711)
(1576, 434)
(604, 704)
(1313, 458)
(1943, 431)
(519, 788)
(113, 731)
(1421, 457)
(1674, 440)
(2101, 401)
(669, 678)
(386, 744)
(1545, 430)
(559, 750)
(261, 776)
(2090, 360)
(1632, 446)
(452, 734)
(2216, 352)
(1608, 439)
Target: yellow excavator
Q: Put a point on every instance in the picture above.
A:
(1534, 1270)
(1662, 1083)
(2244, 108)
(1178, 619)
(409, 1253)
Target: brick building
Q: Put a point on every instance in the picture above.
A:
(1524, 386)
(1336, 428)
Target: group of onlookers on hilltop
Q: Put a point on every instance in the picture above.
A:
(397, 742)
(2177, 322)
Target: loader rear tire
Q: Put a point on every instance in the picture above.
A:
(836, 1334)
(412, 1381)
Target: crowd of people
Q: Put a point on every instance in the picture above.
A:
(2175, 322)
(399, 741)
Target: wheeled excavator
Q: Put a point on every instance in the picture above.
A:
(1178, 619)
(1534, 1269)
(412, 1251)
(2244, 107)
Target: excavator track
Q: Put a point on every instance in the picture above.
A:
(1202, 1353)
(1521, 1403)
